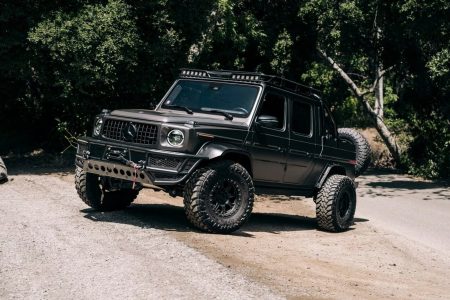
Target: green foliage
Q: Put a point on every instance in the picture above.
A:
(282, 53)
(89, 55)
(430, 157)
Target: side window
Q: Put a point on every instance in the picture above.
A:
(329, 125)
(273, 106)
(301, 118)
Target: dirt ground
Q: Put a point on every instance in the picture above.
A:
(281, 248)
(278, 252)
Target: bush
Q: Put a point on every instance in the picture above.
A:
(429, 152)
(89, 56)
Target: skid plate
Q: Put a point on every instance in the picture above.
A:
(115, 170)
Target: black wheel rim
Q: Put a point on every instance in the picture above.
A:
(344, 205)
(225, 198)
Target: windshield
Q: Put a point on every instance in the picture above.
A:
(212, 97)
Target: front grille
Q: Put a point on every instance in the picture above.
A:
(146, 134)
(164, 162)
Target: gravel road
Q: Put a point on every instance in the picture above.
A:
(52, 246)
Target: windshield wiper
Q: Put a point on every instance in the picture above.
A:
(185, 108)
(227, 116)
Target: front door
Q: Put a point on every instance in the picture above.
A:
(270, 141)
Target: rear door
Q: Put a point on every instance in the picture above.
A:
(330, 152)
(302, 146)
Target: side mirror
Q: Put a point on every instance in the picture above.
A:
(267, 121)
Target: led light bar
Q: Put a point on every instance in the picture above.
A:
(194, 73)
(246, 77)
(251, 77)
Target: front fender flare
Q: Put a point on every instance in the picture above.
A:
(215, 150)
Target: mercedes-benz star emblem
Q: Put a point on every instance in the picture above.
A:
(129, 132)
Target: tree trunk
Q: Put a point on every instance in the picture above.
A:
(379, 94)
(386, 135)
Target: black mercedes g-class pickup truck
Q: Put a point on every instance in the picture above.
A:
(217, 138)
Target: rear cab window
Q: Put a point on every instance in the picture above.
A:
(301, 118)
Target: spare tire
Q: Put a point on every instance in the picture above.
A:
(363, 151)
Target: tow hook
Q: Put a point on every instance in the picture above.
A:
(117, 155)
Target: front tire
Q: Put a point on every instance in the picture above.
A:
(219, 198)
(92, 193)
(336, 204)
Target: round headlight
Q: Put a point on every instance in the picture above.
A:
(175, 138)
(98, 126)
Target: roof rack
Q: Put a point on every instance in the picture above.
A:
(253, 77)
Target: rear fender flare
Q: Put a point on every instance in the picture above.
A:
(331, 169)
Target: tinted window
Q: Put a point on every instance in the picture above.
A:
(273, 105)
(201, 96)
(301, 118)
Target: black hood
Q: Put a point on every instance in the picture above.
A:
(175, 118)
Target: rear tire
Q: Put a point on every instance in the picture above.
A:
(92, 193)
(363, 152)
(336, 204)
(219, 198)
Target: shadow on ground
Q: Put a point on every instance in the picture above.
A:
(381, 183)
(172, 218)
(405, 184)
(42, 164)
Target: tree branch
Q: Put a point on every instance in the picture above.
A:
(341, 72)
(377, 79)
(384, 132)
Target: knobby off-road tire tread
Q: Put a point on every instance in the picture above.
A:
(92, 195)
(363, 151)
(191, 191)
(327, 200)
(194, 197)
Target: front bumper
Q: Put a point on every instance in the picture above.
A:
(134, 163)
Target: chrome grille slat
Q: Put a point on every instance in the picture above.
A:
(146, 134)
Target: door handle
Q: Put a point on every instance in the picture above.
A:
(302, 153)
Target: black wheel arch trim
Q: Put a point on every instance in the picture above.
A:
(213, 151)
(333, 169)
